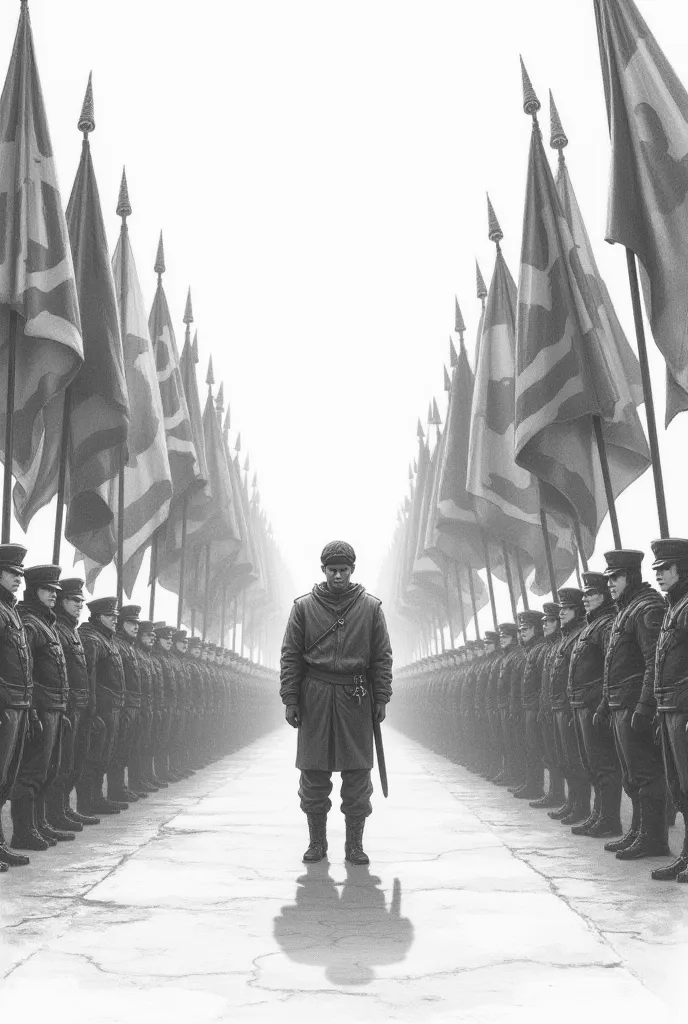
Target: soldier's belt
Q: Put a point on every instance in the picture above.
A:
(336, 678)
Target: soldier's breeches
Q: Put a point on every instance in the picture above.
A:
(103, 745)
(549, 746)
(41, 758)
(69, 738)
(566, 743)
(533, 734)
(675, 752)
(126, 736)
(12, 732)
(357, 788)
(597, 749)
(642, 766)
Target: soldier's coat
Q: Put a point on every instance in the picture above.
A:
(336, 733)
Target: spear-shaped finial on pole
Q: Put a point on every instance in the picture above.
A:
(123, 204)
(188, 311)
(159, 267)
(247, 463)
(237, 443)
(254, 482)
(453, 355)
(227, 422)
(558, 139)
(494, 231)
(531, 104)
(210, 376)
(419, 431)
(447, 379)
(436, 418)
(220, 400)
(194, 349)
(481, 289)
(87, 122)
(459, 325)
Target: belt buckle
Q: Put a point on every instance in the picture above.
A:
(359, 689)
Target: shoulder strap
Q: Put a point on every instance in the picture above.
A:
(339, 621)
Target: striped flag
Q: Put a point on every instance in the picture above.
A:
(563, 374)
(647, 108)
(506, 496)
(36, 280)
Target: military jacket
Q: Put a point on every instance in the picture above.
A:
(586, 670)
(48, 665)
(132, 670)
(16, 682)
(509, 674)
(81, 691)
(531, 684)
(629, 667)
(146, 671)
(561, 659)
(166, 677)
(105, 665)
(671, 668)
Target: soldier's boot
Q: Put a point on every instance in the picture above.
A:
(672, 809)
(609, 821)
(567, 806)
(152, 776)
(7, 858)
(554, 797)
(629, 837)
(55, 814)
(99, 803)
(117, 791)
(353, 847)
(584, 828)
(678, 869)
(24, 834)
(581, 805)
(317, 831)
(76, 816)
(534, 784)
(653, 838)
(43, 826)
(502, 779)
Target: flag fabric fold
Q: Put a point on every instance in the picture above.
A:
(647, 109)
(37, 281)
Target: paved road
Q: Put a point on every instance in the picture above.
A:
(194, 907)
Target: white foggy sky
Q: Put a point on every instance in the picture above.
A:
(319, 171)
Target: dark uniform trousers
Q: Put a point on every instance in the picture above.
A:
(127, 731)
(567, 747)
(41, 759)
(675, 753)
(75, 745)
(13, 723)
(102, 745)
(597, 751)
(642, 768)
(357, 788)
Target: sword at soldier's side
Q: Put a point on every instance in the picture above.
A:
(379, 749)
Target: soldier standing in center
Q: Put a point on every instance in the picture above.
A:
(628, 697)
(129, 717)
(551, 629)
(595, 744)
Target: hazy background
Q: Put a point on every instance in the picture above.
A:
(319, 170)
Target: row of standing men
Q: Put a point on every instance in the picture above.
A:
(594, 689)
(115, 708)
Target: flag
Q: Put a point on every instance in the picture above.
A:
(563, 375)
(506, 497)
(36, 281)
(181, 450)
(147, 480)
(647, 109)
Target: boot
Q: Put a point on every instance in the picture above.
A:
(317, 829)
(652, 839)
(117, 791)
(353, 847)
(151, 775)
(632, 834)
(584, 828)
(75, 816)
(7, 858)
(609, 820)
(554, 797)
(55, 815)
(567, 807)
(44, 828)
(532, 789)
(99, 804)
(24, 834)
(581, 803)
(676, 869)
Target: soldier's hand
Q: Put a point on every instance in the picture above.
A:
(640, 723)
(292, 715)
(380, 712)
(35, 727)
(67, 722)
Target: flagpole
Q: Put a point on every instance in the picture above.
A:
(579, 543)
(197, 569)
(188, 320)
(521, 579)
(234, 627)
(459, 594)
(447, 600)
(153, 574)
(123, 211)
(471, 587)
(206, 595)
(647, 394)
(223, 617)
(9, 427)
(510, 581)
(604, 463)
(61, 479)
(548, 554)
(490, 587)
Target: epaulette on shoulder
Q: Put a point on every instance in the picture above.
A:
(297, 599)
(372, 596)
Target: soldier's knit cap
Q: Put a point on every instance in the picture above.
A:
(72, 587)
(508, 629)
(103, 606)
(594, 583)
(130, 612)
(621, 560)
(47, 576)
(668, 551)
(179, 635)
(336, 552)
(570, 597)
(530, 617)
(550, 610)
(12, 557)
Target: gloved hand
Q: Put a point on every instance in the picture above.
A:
(380, 712)
(35, 726)
(293, 715)
(66, 722)
(640, 722)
